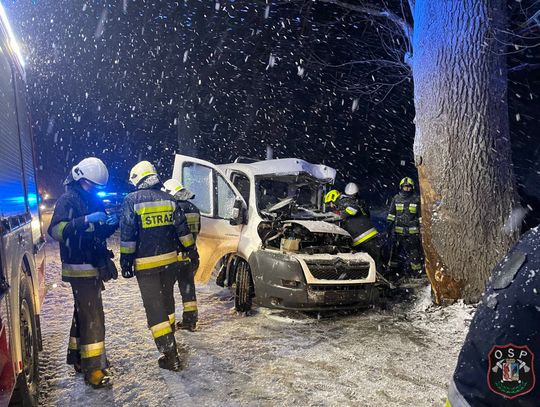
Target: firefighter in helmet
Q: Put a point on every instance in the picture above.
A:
(403, 227)
(81, 226)
(189, 261)
(152, 228)
(355, 219)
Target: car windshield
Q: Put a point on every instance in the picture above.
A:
(304, 190)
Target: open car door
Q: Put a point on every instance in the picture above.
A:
(218, 201)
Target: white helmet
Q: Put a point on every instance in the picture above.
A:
(351, 189)
(172, 186)
(140, 171)
(91, 169)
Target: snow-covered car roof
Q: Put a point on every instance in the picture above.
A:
(284, 166)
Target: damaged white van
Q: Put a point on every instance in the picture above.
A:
(263, 226)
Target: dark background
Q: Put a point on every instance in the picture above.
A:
(130, 80)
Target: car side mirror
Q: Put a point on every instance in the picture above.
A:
(238, 213)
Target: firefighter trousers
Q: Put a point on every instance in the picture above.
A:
(156, 286)
(410, 247)
(87, 335)
(186, 283)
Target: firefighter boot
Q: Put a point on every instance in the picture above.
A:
(187, 325)
(98, 379)
(189, 321)
(170, 361)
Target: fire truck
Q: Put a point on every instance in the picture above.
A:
(22, 255)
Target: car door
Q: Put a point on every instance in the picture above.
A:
(215, 197)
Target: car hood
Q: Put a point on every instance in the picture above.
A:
(317, 226)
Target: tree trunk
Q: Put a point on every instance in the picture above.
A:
(462, 144)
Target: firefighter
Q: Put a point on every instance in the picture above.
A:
(403, 227)
(152, 228)
(189, 261)
(499, 362)
(81, 226)
(355, 219)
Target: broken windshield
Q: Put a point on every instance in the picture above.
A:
(306, 192)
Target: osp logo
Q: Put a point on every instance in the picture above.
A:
(511, 370)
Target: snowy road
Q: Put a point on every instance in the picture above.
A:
(400, 357)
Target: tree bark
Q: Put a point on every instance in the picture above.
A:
(462, 144)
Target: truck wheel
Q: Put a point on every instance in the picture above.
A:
(244, 288)
(26, 391)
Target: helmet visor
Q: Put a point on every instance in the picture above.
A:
(96, 186)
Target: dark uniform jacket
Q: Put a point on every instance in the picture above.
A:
(193, 217)
(82, 246)
(153, 228)
(404, 214)
(192, 213)
(499, 363)
(356, 219)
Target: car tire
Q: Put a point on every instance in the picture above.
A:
(244, 288)
(27, 390)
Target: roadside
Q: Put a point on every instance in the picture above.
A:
(403, 356)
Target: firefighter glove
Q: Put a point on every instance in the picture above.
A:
(109, 271)
(112, 220)
(128, 272)
(96, 217)
(126, 262)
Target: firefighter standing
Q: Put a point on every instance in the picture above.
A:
(80, 225)
(152, 228)
(189, 261)
(403, 226)
(356, 220)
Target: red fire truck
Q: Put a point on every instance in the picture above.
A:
(22, 256)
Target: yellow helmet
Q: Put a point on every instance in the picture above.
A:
(172, 186)
(331, 196)
(140, 171)
(406, 181)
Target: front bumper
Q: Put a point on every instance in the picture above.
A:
(313, 282)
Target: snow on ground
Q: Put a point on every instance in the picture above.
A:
(403, 356)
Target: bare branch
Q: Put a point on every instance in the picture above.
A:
(375, 12)
(524, 67)
(378, 62)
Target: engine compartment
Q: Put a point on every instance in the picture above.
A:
(294, 237)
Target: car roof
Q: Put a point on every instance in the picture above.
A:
(284, 166)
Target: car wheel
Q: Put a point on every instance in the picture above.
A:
(26, 391)
(244, 288)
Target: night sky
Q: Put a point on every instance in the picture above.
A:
(130, 80)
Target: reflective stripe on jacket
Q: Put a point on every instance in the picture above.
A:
(404, 213)
(193, 216)
(153, 229)
(356, 219)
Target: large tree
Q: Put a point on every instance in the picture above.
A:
(456, 52)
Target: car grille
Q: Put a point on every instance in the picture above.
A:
(337, 269)
(331, 287)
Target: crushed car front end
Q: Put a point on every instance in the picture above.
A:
(308, 265)
(313, 282)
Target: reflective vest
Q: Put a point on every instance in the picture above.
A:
(153, 229)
